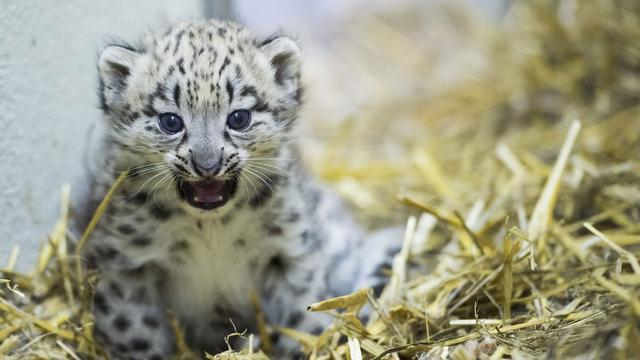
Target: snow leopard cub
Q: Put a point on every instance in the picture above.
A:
(216, 206)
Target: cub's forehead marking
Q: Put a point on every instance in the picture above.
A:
(204, 70)
(202, 66)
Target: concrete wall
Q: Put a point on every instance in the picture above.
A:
(48, 101)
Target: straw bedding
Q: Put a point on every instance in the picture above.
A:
(518, 180)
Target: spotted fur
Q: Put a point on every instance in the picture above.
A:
(281, 235)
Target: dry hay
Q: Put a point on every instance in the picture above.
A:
(523, 222)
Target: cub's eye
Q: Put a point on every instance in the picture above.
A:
(239, 119)
(170, 123)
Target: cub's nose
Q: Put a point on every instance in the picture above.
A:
(207, 167)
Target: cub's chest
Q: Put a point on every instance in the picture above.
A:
(214, 265)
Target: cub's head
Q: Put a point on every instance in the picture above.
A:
(206, 103)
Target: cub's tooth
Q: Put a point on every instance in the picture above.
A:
(219, 198)
(196, 199)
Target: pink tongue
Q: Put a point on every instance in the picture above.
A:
(207, 192)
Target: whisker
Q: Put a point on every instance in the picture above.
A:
(259, 162)
(156, 187)
(143, 185)
(258, 175)
(147, 165)
(244, 185)
(271, 158)
(250, 183)
(133, 168)
(150, 170)
(266, 169)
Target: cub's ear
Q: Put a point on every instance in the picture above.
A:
(115, 65)
(285, 57)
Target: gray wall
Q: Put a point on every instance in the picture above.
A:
(48, 101)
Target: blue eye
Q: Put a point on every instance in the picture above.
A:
(239, 120)
(170, 123)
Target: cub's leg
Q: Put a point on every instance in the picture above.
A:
(129, 321)
(290, 285)
(374, 254)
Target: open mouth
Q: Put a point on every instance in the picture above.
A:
(207, 194)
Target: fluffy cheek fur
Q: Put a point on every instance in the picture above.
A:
(265, 138)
